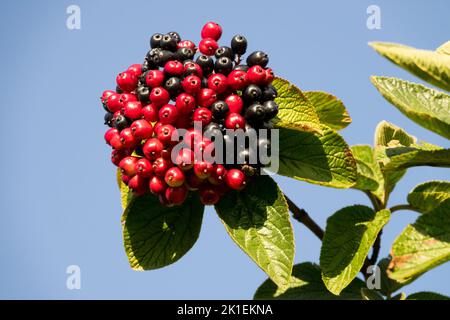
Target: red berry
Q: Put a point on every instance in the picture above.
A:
(235, 179)
(133, 110)
(218, 82)
(167, 134)
(176, 196)
(206, 97)
(110, 134)
(160, 166)
(125, 98)
(118, 155)
(135, 69)
(138, 184)
(269, 76)
(200, 146)
(186, 44)
(150, 113)
(218, 175)
(192, 84)
(142, 129)
(105, 95)
(127, 139)
(152, 148)
(185, 159)
(208, 195)
(174, 177)
(144, 168)
(203, 169)
(168, 114)
(167, 153)
(185, 103)
(157, 127)
(256, 75)
(128, 166)
(208, 46)
(193, 182)
(154, 78)
(211, 30)
(237, 79)
(113, 103)
(203, 115)
(127, 81)
(116, 142)
(159, 96)
(174, 67)
(192, 137)
(157, 185)
(235, 103)
(234, 121)
(125, 179)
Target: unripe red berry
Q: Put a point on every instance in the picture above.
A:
(208, 195)
(192, 84)
(125, 179)
(154, 78)
(135, 69)
(176, 196)
(116, 142)
(133, 110)
(127, 81)
(167, 153)
(269, 76)
(235, 179)
(138, 184)
(208, 46)
(237, 79)
(203, 115)
(118, 155)
(150, 113)
(168, 114)
(152, 148)
(235, 103)
(105, 95)
(192, 181)
(234, 121)
(157, 127)
(159, 96)
(218, 175)
(160, 166)
(174, 67)
(125, 98)
(201, 145)
(174, 177)
(192, 137)
(128, 166)
(185, 159)
(186, 44)
(256, 75)
(206, 97)
(185, 103)
(218, 82)
(113, 103)
(142, 129)
(211, 30)
(157, 185)
(203, 169)
(144, 168)
(110, 134)
(127, 139)
(167, 134)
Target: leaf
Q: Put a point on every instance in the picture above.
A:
(125, 194)
(431, 66)
(388, 285)
(415, 156)
(331, 110)
(349, 235)
(422, 245)
(426, 295)
(369, 294)
(321, 159)
(257, 219)
(388, 135)
(444, 49)
(306, 284)
(429, 195)
(294, 109)
(156, 236)
(426, 107)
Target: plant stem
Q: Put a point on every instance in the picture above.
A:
(303, 217)
(402, 207)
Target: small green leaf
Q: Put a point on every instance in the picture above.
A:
(431, 66)
(426, 295)
(331, 110)
(306, 284)
(422, 245)
(369, 294)
(444, 49)
(321, 159)
(156, 236)
(426, 107)
(388, 135)
(125, 194)
(349, 235)
(429, 195)
(294, 109)
(257, 219)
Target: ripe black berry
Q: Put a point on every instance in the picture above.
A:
(258, 58)
(270, 109)
(239, 44)
(212, 129)
(184, 54)
(223, 65)
(255, 112)
(143, 94)
(175, 35)
(269, 93)
(108, 118)
(219, 109)
(168, 43)
(173, 86)
(242, 67)
(224, 52)
(155, 40)
(120, 122)
(251, 93)
(206, 63)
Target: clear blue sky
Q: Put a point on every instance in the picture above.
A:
(59, 201)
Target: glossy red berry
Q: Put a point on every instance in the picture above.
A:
(234, 121)
(237, 79)
(174, 177)
(209, 195)
(118, 155)
(154, 78)
(167, 134)
(192, 84)
(235, 103)
(127, 81)
(152, 148)
(105, 95)
(174, 67)
(208, 46)
(125, 98)
(157, 185)
(127, 138)
(144, 168)
(150, 113)
(116, 142)
(132, 110)
(218, 175)
(218, 82)
(135, 69)
(138, 184)
(192, 137)
(206, 97)
(256, 75)
(185, 159)
(269, 76)
(176, 196)
(128, 166)
(112, 132)
(160, 166)
(185, 103)
(203, 169)
(113, 103)
(211, 30)
(202, 115)
(159, 96)
(186, 44)
(235, 179)
(141, 129)
(168, 114)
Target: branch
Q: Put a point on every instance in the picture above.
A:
(402, 207)
(303, 217)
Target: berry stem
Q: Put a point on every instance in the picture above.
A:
(303, 217)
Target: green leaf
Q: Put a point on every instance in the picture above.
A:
(429, 195)
(125, 194)
(156, 236)
(349, 235)
(294, 109)
(426, 295)
(426, 107)
(444, 49)
(431, 66)
(422, 245)
(370, 294)
(257, 219)
(331, 110)
(389, 135)
(321, 159)
(306, 284)
(415, 156)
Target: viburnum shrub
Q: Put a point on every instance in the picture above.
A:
(202, 124)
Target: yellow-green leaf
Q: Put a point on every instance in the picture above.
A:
(125, 194)
(429, 195)
(426, 295)
(331, 110)
(444, 48)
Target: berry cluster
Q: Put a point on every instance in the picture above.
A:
(220, 93)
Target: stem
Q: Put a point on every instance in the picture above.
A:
(402, 207)
(303, 217)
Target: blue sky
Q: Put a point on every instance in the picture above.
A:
(59, 201)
